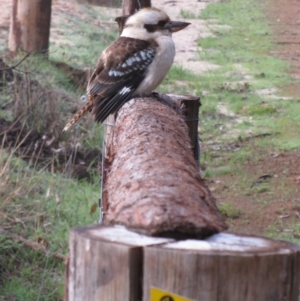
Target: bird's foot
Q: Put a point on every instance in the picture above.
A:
(165, 99)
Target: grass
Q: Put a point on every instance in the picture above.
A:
(228, 210)
(283, 232)
(240, 45)
(40, 207)
(80, 32)
(32, 275)
(241, 49)
(56, 199)
(186, 14)
(218, 170)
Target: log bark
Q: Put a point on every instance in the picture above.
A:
(112, 263)
(30, 26)
(131, 6)
(152, 183)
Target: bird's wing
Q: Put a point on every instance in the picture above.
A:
(120, 70)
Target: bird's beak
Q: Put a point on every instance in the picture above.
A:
(174, 26)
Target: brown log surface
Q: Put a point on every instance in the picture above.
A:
(152, 180)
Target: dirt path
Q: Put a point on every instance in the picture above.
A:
(284, 19)
(277, 208)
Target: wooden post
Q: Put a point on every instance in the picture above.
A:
(131, 6)
(224, 267)
(106, 263)
(191, 112)
(114, 264)
(30, 26)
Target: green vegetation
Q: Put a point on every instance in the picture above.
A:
(247, 74)
(281, 231)
(187, 14)
(40, 198)
(81, 36)
(240, 44)
(229, 210)
(41, 207)
(32, 275)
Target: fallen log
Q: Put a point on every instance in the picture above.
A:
(151, 179)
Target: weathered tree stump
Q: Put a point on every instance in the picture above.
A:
(114, 264)
(30, 26)
(152, 183)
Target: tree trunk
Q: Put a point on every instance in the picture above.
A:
(30, 26)
(152, 183)
(131, 6)
(114, 264)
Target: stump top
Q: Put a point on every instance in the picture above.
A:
(225, 243)
(229, 242)
(120, 234)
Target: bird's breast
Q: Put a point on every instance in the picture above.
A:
(160, 66)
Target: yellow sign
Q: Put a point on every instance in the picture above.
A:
(160, 295)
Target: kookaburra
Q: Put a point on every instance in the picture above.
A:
(134, 64)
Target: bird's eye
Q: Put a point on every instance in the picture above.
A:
(162, 23)
(154, 27)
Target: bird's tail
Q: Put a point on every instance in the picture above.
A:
(86, 108)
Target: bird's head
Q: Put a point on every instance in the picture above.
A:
(151, 22)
